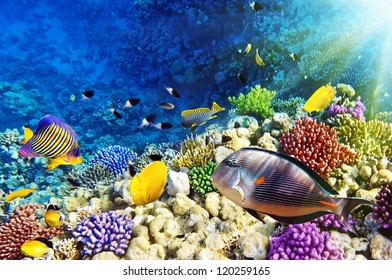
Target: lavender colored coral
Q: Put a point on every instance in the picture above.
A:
(303, 242)
(357, 112)
(330, 221)
(115, 157)
(382, 212)
(109, 231)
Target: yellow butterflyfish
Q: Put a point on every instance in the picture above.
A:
(320, 99)
(18, 193)
(149, 185)
(36, 248)
(259, 61)
(53, 216)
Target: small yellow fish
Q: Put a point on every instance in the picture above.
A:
(72, 98)
(259, 61)
(27, 134)
(149, 185)
(320, 99)
(53, 216)
(18, 193)
(36, 248)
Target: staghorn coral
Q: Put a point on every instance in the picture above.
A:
(65, 249)
(109, 231)
(168, 151)
(316, 145)
(194, 152)
(290, 106)
(200, 178)
(115, 157)
(256, 103)
(94, 176)
(371, 140)
(303, 242)
(21, 226)
(382, 212)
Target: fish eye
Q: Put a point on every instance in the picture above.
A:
(229, 163)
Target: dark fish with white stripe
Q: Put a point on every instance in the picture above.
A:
(53, 139)
(280, 186)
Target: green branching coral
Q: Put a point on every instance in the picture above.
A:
(384, 116)
(194, 152)
(289, 106)
(370, 140)
(256, 103)
(200, 178)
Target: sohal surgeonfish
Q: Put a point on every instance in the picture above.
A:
(149, 185)
(53, 139)
(53, 216)
(18, 193)
(195, 117)
(280, 186)
(320, 99)
(38, 247)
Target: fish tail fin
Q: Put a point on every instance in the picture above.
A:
(216, 108)
(347, 205)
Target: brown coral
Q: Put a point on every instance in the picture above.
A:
(316, 145)
(20, 227)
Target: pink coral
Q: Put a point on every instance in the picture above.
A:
(316, 145)
(21, 226)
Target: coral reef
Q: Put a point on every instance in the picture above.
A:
(316, 145)
(194, 152)
(200, 178)
(356, 112)
(290, 106)
(382, 212)
(66, 249)
(257, 102)
(330, 221)
(115, 157)
(303, 242)
(94, 176)
(371, 140)
(21, 226)
(109, 231)
(168, 151)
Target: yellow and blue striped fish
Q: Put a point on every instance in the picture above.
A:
(195, 117)
(53, 139)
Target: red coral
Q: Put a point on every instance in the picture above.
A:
(20, 227)
(316, 145)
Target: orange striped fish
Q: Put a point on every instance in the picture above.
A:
(280, 186)
(53, 139)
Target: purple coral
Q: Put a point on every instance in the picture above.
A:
(382, 212)
(303, 242)
(109, 231)
(115, 157)
(357, 112)
(330, 221)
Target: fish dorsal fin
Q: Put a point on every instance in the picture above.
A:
(320, 180)
(28, 134)
(216, 108)
(44, 241)
(193, 111)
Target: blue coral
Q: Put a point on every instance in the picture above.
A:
(109, 231)
(115, 157)
(303, 242)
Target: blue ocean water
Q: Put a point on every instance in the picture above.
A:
(53, 51)
(133, 49)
